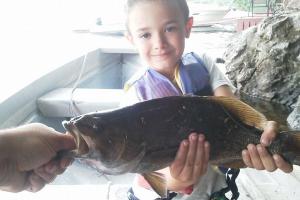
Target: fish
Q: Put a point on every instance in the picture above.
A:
(144, 137)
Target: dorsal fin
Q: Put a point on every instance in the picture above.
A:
(243, 111)
(158, 183)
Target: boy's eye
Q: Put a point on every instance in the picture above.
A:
(171, 29)
(145, 35)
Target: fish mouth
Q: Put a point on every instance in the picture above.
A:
(82, 147)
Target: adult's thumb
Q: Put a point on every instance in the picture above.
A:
(63, 142)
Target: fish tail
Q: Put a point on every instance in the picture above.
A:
(293, 145)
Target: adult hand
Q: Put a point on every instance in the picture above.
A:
(257, 156)
(190, 163)
(28, 156)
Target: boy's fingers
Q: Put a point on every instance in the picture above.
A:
(206, 158)
(269, 133)
(281, 164)
(200, 157)
(179, 162)
(200, 151)
(188, 168)
(246, 158)
(255, 159)
(266, 158)
(193, 140)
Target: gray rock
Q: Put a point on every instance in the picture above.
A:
(291, 4)
(263, 61)
(294, 118)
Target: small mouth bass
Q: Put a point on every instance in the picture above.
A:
(145, 137)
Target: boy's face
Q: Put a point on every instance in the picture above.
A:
(158, 30)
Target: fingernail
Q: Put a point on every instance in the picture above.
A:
(193, 137)
(52, 169)
(35, 177)
(244, 152)
(67, 163)
(275, 157)
(259, 147)
(30, 189)
(185, 143)
(201, 138)
(265, 142)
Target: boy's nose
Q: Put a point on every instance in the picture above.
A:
(160, 41)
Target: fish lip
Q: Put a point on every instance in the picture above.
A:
(82, 147)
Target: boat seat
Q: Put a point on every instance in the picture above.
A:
(57, 103)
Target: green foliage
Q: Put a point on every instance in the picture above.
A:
(216, 2)
(242, 4)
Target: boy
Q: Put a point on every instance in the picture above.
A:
(158, 28)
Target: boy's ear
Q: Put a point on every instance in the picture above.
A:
(188, 27)
(129, 37)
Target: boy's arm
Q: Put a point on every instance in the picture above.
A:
(223, 90)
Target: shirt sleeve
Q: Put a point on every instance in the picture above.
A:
(217, 77)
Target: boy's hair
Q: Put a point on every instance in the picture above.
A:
(181, 3)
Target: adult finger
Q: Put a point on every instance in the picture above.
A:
(266, 158)
(281, 164)
(47, 177)
(58, 166)
(63, 142)
(66, 162)
(36, 183)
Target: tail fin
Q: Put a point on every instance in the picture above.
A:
(293, 145)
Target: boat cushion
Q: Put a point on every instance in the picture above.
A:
(57, 103)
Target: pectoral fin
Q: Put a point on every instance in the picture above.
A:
(158, 183)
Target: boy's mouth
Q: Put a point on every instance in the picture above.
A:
(162, 54)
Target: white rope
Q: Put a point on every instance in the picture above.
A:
(109, 183)
(72, 106)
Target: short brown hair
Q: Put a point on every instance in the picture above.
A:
(181, 3)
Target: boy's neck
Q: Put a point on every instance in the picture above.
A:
(169, 72)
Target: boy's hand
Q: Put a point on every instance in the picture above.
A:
(190, 163)
(258, 157)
